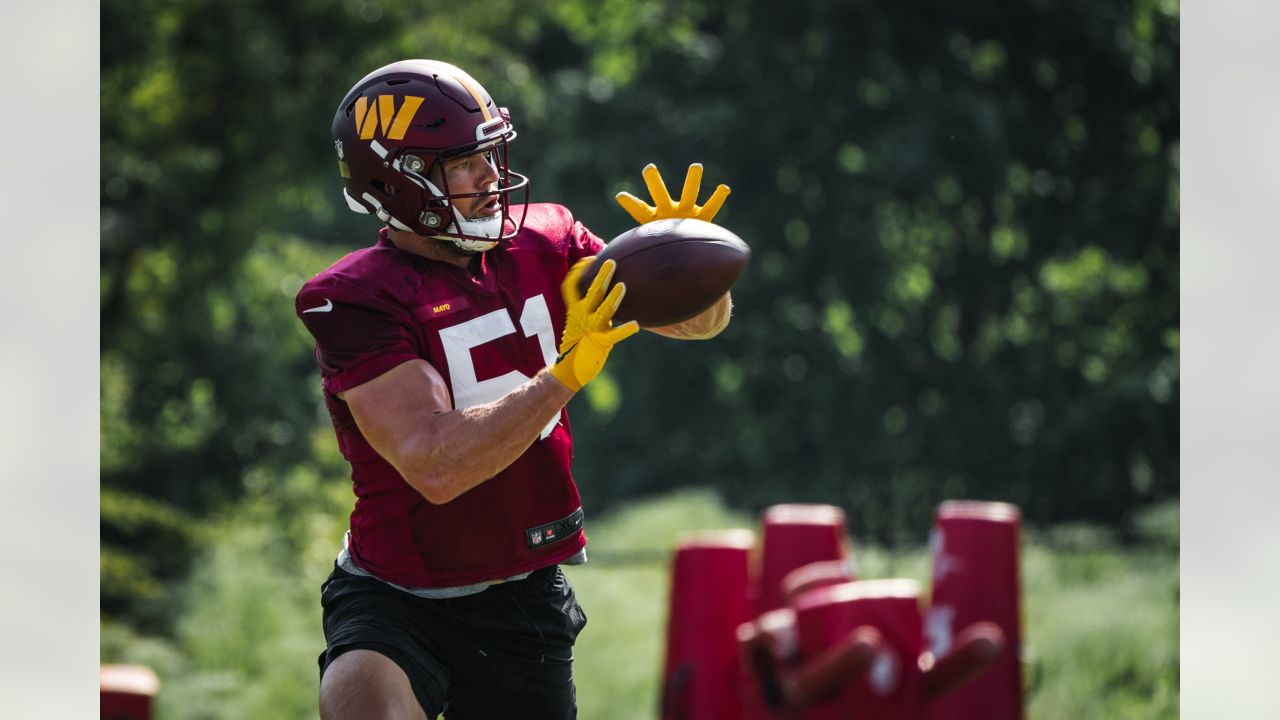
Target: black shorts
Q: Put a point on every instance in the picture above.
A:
(504, 652)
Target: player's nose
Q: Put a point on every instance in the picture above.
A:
(488, 173)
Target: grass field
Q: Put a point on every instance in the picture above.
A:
(1100, 622)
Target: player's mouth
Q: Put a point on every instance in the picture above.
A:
(487, 210)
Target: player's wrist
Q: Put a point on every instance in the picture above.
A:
(562, 372)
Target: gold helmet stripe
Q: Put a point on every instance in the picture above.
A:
(470, 85)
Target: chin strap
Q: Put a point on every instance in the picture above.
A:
(490, 229)
(468, 244)
(380, 211)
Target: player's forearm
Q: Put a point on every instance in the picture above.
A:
(703, 326)
(460, 449)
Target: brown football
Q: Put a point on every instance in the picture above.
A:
(673, 269)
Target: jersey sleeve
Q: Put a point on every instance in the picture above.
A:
(357, 337)
(582, 243)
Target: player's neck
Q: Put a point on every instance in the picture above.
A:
(429, 248)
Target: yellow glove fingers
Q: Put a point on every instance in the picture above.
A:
(596, 292)
(657, 188)
(581, 266)
(603, 315)
(622, 332)
(569, 288)
(664, 207)
(713, 204)
(583, 355)
(639, 210)
(689, 196)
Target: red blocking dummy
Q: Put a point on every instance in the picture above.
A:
(126, 691)
(891, 688)
(702, 679)
(795, 535)
(975, 578)
(816, 575)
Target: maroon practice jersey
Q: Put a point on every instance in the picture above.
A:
(486, 334)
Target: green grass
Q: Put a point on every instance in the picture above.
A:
(1101, 632)
(1100, 622)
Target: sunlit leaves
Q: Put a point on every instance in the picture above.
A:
(987, 60)
(1089, 272)
(603, 394)
(945, 337)
(912, 284)
(132, 518)
(124, 575)
(624, 32)
(119, 436)
(852, 159)
(157, 98)
(839, 324)
(186, 422)
(873, 94)
(1007, 242)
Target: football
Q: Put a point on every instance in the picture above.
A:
(673, 269)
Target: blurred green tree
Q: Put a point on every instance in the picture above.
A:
(965, 278)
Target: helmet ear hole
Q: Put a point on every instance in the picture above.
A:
(413, 163)
(433, 219)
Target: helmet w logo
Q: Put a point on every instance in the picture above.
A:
(370, 117)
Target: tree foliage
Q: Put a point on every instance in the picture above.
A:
(964, 220)
(965, 274)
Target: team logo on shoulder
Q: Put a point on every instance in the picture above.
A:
(382, 115)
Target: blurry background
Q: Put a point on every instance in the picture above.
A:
(965, 285)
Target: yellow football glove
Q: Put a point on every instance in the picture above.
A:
(589, 333)
(663, 207)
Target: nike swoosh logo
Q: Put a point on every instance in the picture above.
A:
(326, 307)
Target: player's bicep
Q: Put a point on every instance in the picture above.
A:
(394, 408)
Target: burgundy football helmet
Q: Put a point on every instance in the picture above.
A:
(402, 120)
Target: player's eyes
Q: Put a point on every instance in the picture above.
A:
(465, 164)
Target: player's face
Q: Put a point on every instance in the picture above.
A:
(472, 173)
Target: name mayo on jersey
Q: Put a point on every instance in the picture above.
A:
(440, 309)
(486, 333)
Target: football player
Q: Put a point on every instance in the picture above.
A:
(447, 351)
